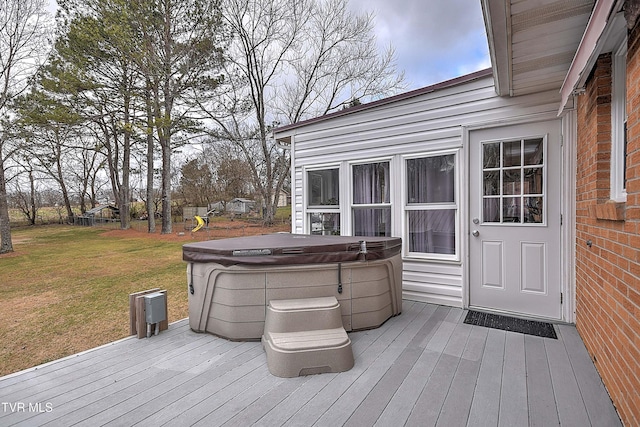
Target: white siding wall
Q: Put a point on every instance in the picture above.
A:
(428, 122)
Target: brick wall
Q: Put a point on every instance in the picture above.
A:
(608, 270)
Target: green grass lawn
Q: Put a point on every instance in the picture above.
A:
(65, 289)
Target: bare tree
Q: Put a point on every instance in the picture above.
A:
(180, 54)
(49, 129)
(98, 44)
(87, 176)
(232, 173)
(291, 60)
(218, 174)
(196, 183)
(24, 26)
(28, 202)
(340, 65)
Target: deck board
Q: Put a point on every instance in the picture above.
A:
(424, 367)
(343, 394)
(457, 405)
(596, 399)
(514, 411)
(376, 401)
(404, 399)
(384, 364)
(571, 408)
(433, 395)
(540, 397)
(486, 396)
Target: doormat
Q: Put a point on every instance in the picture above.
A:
(496, 321)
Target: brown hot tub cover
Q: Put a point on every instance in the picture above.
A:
(291, 249)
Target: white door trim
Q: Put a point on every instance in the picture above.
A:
(568, 236)
(567, 176)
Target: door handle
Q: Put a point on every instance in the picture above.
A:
(475, 233)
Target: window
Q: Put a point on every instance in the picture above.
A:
(323, 205)
(619, 125)
(513, 181)
(431, 206)
(371, 200)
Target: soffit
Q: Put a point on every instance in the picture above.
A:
(533, 42)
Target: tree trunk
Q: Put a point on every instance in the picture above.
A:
(165, 117)
(113, 173)
(162, 115)
(67, 202)
(5, 228)
(93, 195)
(83, 203)
(163, 129)
(151, 207)
(32, 199)
(166, 186)
(60, 179)
(125, 190)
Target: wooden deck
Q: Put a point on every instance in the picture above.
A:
(422, 368)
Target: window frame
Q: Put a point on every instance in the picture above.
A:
(409, 207)
(618, 122)
(310, 210)
(545, 172)
(386, 205)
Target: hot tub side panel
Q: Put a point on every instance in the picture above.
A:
(230, 301)
(376, 292)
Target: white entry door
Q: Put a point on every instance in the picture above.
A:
(514, 242)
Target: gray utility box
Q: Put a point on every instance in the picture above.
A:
(155, 307)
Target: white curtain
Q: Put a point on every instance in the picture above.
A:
(371, 183)
(431, 180)
(432, 231)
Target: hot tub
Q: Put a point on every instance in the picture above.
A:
(231, 281)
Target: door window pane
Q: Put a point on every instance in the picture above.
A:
(491, 210)
(532, 181)
(533, 210)
(518, 172)
(533, 151)
(491, 183)
(511, 182)
(511, 209)
(511, 154)
(491, 155)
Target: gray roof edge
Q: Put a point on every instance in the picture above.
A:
(395, 98)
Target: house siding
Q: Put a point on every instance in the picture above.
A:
(425, 123)
(608, 270)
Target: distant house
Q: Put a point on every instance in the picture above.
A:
(97, 215)
(216, 207)
(515, 189)
(240, 206)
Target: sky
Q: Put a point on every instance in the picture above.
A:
(434, 40)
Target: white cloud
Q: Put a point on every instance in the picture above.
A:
(434, 40)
